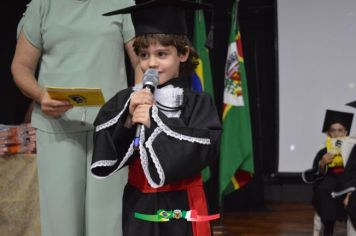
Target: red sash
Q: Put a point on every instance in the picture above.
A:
(193, 186)
(337, 170)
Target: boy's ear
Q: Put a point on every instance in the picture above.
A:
(184, 56)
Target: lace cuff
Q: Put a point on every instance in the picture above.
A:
(174, 134)
(114, 120)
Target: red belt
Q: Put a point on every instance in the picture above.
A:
(193, 186)
(337, 170)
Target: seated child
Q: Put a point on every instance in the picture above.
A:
(329, 167)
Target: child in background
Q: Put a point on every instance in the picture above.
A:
(347, 192)
(328, 172)
(180, 132)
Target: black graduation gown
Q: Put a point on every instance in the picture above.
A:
(348, 182)
(328, 207)
(172, 149)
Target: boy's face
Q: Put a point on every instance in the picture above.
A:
(164, 59)
(337, 130)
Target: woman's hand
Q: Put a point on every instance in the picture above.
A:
(52, 107)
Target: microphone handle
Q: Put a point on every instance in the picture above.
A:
(136, 141)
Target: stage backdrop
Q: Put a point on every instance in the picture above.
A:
(317, 63)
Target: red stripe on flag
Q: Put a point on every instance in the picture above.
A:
(242, 177)
(239, 45)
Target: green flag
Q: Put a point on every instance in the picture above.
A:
(236, 157)
(202, 78)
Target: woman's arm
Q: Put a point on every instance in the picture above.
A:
(23, 69)
(24, 66)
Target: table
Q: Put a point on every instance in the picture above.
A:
(19, 202)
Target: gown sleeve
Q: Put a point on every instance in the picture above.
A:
(111, 139)
(314, 174)
(179, 148)
(349, 183)
(349, 178)
(170, 150)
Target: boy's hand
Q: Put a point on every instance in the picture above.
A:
(346, 199)
(141, 115)
(141, 97)
(327, 158)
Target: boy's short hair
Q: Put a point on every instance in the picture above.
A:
(180, 42)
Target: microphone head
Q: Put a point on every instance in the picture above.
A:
(338, 143)
(151, 78)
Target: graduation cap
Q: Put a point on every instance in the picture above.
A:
(332, 117)
(160, 16)
(351, 104)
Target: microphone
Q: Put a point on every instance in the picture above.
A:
(150, 81)
(338, 143)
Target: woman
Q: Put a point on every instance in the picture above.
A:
(71, 44)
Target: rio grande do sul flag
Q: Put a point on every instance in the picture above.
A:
(236, 155)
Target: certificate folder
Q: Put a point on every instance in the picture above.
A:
(77, 96)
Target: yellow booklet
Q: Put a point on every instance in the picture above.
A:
(77, 96)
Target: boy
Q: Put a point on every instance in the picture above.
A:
(329, 169)
(180, 131)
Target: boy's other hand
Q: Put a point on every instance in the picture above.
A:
(141, 115)
(346, 199)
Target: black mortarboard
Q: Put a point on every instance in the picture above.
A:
(332, 117)
(352, 104)
(160, 16)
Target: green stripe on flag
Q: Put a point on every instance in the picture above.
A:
(236, 144)
(203, 71)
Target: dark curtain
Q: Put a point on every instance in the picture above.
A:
(257, 26)
(258, 31)
(12, 103)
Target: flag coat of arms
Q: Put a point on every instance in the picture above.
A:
(236, 155)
